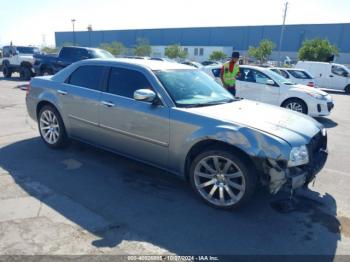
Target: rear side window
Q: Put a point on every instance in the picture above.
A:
(79, 54)
(284, 74)
(299, 74)
(65, 52)
(87, 76)
(124, 82)
(280, 72)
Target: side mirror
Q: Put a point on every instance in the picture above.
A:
(145, 95)
(270, 82)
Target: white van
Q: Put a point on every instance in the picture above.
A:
(328, 75)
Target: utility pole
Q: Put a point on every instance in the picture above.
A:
(73, 23)
(282, 31)
(89, 28)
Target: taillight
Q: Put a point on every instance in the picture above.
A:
(311, 84)
(27, 89)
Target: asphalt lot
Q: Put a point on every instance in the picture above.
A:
(83, 200)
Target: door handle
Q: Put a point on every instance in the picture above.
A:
(108, 104)
(331, 76)
(62, 92)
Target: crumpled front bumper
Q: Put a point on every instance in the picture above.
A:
(296, 177)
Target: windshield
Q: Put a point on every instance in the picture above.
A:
(98, 53)
(189, 88)
(28, 50)
(279, 79)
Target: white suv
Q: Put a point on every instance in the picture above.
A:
(18, 59)
(264, 85)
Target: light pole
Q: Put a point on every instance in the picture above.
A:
(89, 28)
(282, 31)
(73, 23)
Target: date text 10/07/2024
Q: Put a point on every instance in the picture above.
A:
(173, 258)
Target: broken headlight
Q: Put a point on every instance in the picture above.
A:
(298, 156)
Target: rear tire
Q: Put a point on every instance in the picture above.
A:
(51, 127)
(347, 89)
(7, 72)
(296, 104)
(25, 73)
(222, 179)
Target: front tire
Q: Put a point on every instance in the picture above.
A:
(222, 179)
(296, 104)
(51, 127)
(25, 74)
(7, 72)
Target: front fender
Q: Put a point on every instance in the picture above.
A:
(253, 142)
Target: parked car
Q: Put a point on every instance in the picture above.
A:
(18, 59)
(192, 63)
(298, 76)
(328, 75)
(179, 119)
(164, 59)
(208, 63)
(263, 85)
(138, 57)
(51, 64)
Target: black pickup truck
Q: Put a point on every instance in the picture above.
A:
(51, 64)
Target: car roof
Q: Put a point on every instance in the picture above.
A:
(212, 67)
(149, 64)
(255, 67)
(285, 68)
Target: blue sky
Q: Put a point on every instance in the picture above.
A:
(33, 21)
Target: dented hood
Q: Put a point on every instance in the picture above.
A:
(295, 128)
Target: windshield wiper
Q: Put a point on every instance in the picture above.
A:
(213, 103)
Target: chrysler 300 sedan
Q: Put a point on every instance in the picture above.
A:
(177, 118)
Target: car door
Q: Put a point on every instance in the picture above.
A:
(63, 59)
(252, 84)
(267, 93)
(80, 99)
(244, 84)
(322, 75)
(134, 128)
(338, 77)
(14, 57)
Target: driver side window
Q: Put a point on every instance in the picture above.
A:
(253, 76)
(261, 78)
(337, 70)
(124, 82)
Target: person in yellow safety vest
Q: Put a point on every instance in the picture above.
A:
(229, 72)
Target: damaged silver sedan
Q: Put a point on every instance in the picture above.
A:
(179, 119)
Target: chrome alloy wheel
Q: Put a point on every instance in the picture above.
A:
(219, 180)
(49, 127)
(295, 107)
